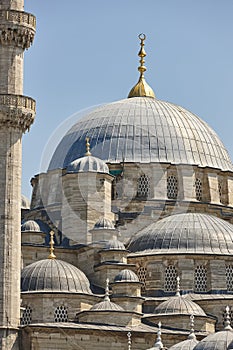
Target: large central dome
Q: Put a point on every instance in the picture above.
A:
(145, 130)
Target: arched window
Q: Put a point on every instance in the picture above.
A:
(198, 189)
(172, 187)
(143, 186)
(26, 316)
(170, 278)
(142, 274)
(200, 279)
(61, 314)
(229, 278)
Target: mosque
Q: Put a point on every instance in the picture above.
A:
(127, 240)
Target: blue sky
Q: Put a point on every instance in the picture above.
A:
(85, 54)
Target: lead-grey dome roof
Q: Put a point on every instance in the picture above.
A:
(217, 341)
(178, 305)
(87, 163)
(126, 276)
(185, 233)
(52, 275)
(187, 344)
(106, 305)
(142, 129)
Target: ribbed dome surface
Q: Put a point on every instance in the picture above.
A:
(142, 129)
(114, 244)
(52, 275)
(30, 225)
(104, 223)
(188, 344)
(87, 163)
(179, 305)
(185, 233)
(217, 341)
(106, 305)
(126, 276)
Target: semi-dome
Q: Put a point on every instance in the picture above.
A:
(104, 223)
(126, 276)
(114, 244)
(30, 225)
(143, 129)
(52, 275)
(185, 233)
(179, 305)
(106, 305)
(86, 164)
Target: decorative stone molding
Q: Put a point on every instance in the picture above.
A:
(17, 28)
(17, 111)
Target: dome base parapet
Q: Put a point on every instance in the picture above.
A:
(17, 28)
(17, 111)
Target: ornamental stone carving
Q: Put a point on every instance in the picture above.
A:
(17, 111)
(17, 28)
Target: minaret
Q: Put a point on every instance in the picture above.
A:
(17, 30)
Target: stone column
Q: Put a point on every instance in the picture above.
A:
(16, 115)
(187, 176)
(213, 188)
(230, 190)
(160, 182)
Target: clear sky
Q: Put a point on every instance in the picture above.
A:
(85, 54)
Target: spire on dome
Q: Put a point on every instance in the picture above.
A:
(192, 334)
(129, 340)
(106, 297)
(142, 89)
(158, 343)
(178, 286)
(228, 319)
(88, 153)
(51, 255)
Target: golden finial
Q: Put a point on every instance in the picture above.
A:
(88, 153)
(142, 89)
(51, 255)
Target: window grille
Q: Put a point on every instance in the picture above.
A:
(200, 279)
(170, 279)
(27, 316)
(143, 186)
(229, 277)
(220, 191)
(142, 274)
(172, 187)
(61, 314)
(198, 188)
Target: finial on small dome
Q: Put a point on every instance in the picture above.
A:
(192, 334)
(129, 340)
(106, 297)
(88, 153)
(51, 255)
(178, 286)
(158, 344)
(228, 319)
(142, 89)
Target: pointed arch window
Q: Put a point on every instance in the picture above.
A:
(172, 187)
(198, 189)
(143, 189)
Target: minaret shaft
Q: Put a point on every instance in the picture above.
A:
(17, 112)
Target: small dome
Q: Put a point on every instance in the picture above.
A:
(104, 223)
(126, 276)
(25, 202)
(54, 275)
(30, 225)
(217, 341)
(114, 244)
(87, 163)
(188, 344)
(179, 305)
(185, 233)
(106, 305)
